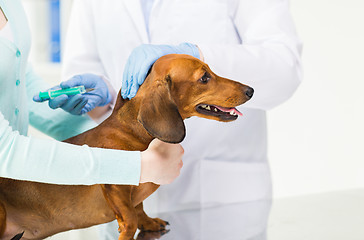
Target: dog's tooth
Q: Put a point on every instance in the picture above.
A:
(232, 113)
(203, 106)
(208, 108)
(215, 109)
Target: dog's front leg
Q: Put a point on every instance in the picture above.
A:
(2, 219)
(119, 199)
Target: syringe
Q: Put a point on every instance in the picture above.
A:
(68, 91)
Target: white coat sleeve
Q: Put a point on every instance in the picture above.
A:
(81, 54)
(268, 59)
(80, 49)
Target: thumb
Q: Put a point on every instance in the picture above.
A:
(36, 98)
(58, 101)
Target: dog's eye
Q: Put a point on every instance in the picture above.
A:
(205, 78)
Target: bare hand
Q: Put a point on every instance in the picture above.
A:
(161, 163)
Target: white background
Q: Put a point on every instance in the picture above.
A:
(316, 139)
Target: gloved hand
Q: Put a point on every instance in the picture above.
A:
(81, 103)
(142, 58)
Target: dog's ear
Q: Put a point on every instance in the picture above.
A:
(159, 114)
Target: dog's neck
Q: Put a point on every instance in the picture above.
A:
(121, 130)
(124, 120)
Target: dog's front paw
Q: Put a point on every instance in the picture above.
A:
(152, 224)
(151, 235)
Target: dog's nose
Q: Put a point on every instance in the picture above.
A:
(249, 92)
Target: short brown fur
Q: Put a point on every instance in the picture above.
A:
(170, 94)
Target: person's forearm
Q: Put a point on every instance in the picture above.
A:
(50, 161)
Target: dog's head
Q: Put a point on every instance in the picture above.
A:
(180, 86)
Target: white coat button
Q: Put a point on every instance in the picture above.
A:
(16, 111)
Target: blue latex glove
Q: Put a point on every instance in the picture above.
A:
(81, 103)
(142, 58)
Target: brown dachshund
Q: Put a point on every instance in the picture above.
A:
(178, 87)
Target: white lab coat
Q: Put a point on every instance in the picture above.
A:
(251, 41)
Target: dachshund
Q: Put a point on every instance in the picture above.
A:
(178, 87)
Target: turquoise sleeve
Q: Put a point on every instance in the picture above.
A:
(50, 161)
(56, 123)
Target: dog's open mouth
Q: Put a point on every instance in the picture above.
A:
(227, 114)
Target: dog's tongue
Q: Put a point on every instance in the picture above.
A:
(229, 110)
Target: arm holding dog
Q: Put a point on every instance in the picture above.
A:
(50, 161)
